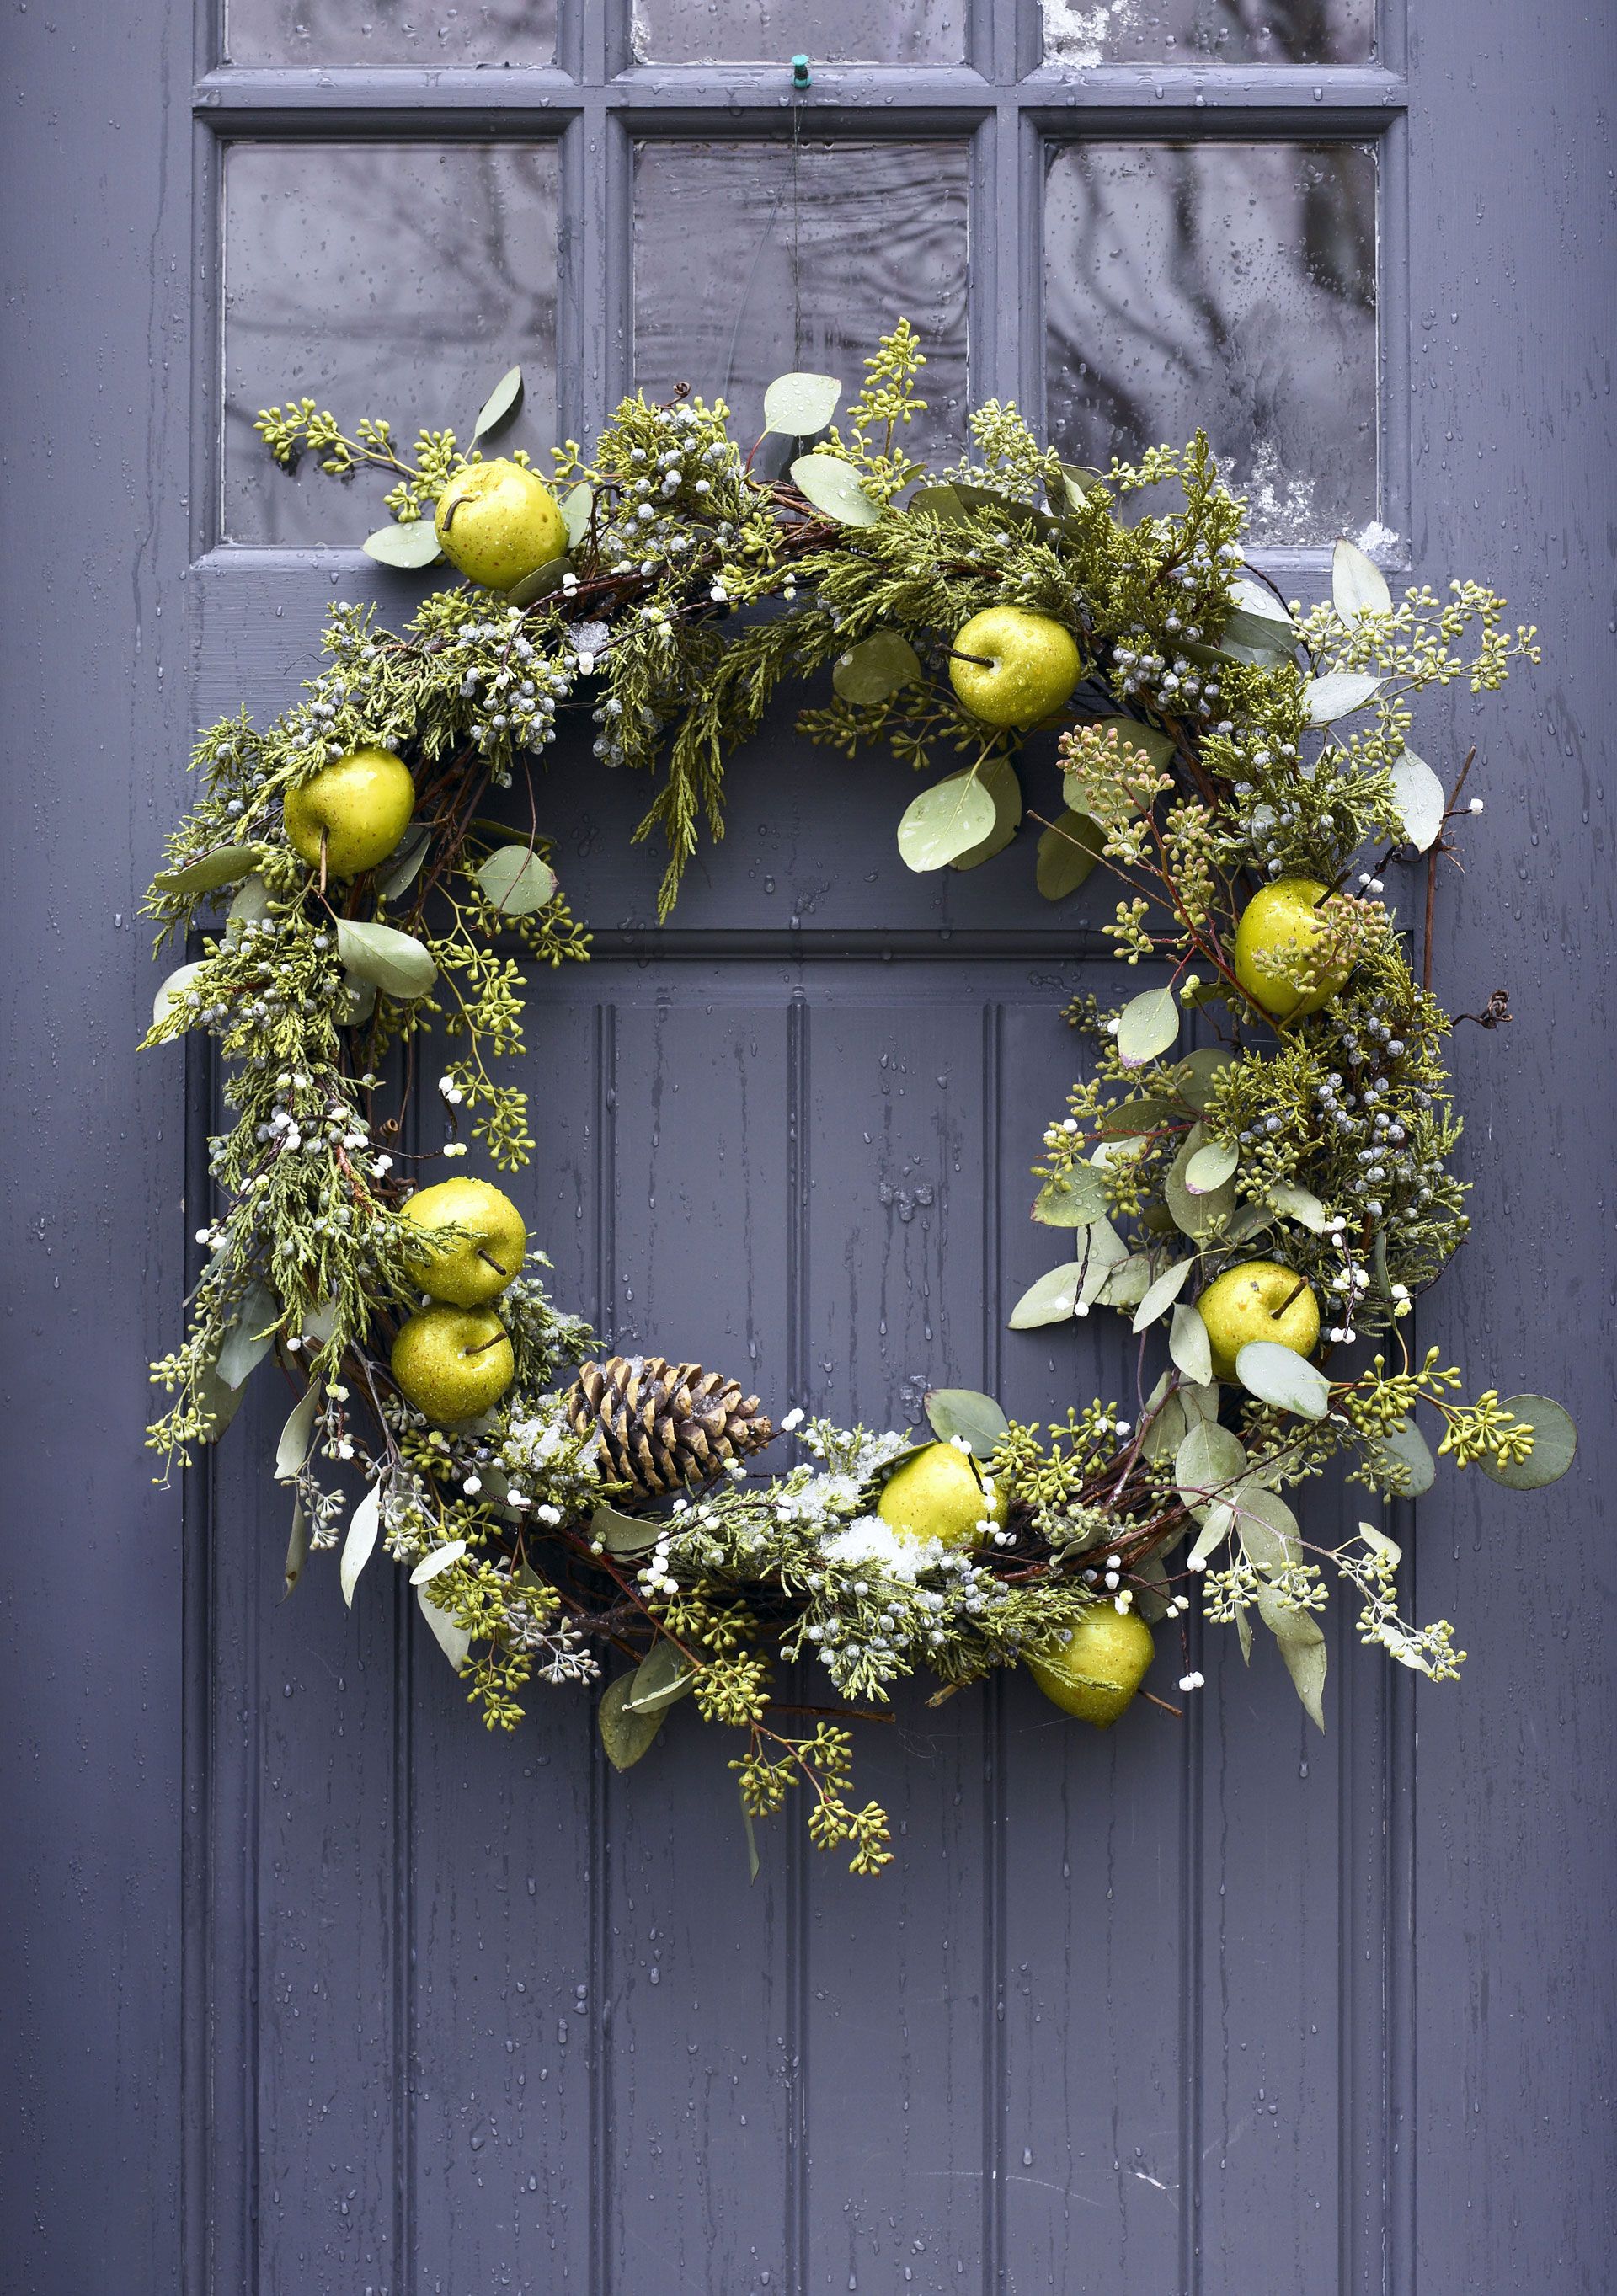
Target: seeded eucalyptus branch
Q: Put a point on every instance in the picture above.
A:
(1036, 647)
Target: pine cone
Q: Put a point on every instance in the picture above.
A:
(665, 1426)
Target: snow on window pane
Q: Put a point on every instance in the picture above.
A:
(750, 261)
(1085, 33)
(379, 279)
(773, 31)
(384, 32)
(1228, 285)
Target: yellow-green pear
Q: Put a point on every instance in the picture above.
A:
(1095, 1674)
(360, 804)
(452, 1362)
(470, 1268)
(940, 1493)
(497, 522)
(1260, 1300)
(1017, 667)
(1279, 926)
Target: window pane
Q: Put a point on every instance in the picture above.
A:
(1229, 286)
(748, 261)
(381, 279)
(389, 32)
(773, 31)
(1086, 33)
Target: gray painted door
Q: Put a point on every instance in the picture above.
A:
(310, 1986)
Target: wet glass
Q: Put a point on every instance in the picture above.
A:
(389, 32)
(773, 31)
(752, 259)
(1086, 33)
(395, 280)
(1231, 286)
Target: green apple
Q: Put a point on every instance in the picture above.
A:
(939, 1493)
(1020, 666)
(1095, 1674)
(1260, 1301)
(358, 808)
(473, 1267)
(1279, 926)
(452, 1362)
(497, 522)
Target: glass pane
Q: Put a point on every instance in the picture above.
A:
(774, 32)
(399, 279)
(1085, 33)
(750, 260)
(389, 32)
(1231, 286)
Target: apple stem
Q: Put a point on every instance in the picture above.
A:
(982, 661)
(492, 1261)
(323, 853)
(483, 1346)
(1177, 1711)
(1296, 1292)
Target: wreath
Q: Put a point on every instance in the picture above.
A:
(1265, 1210)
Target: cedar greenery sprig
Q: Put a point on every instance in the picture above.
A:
(1219, 739)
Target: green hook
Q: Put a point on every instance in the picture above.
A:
(801, 75)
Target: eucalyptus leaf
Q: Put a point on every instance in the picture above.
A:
(945, 820)
(1211, 1165)
(1051, 1300)
(442, 1559)
(172, 989)
(1293, 1201)
(1324, 700)
(1104, 1252)
(1258, 637)
(1248, 596)
(1148, 1026)
(623, 1534)
(1189, 1345)
(403, 866)
(1161, 1295)
(451, 1639)
(1379, 1543)
(1196, 1216)
(516, 881)
(502, 401)
(963, 1411)
(226, 865)
(408, 545)
(625, 1734)
(1071, 1200)
(879, 666)
(1303, 1644)
(360, 1543)
(577, 506)
(1404, 1447)
(1196, 1073)
(296, 1549)
(939, 501)
(292, 1450)
(1208, 1465)
(1152, 1597)
(1358, 585)
(1421, 801)
(1068, 850)
(751, 1831)
(1125, 1283)
(1279, 1375)
(1130, 1119)
(249, 902)
(1216, 1524)
(662, 1677)
(1555, 1445)
(393, 961)
(998, 776)
(218, 1404)
(797, 405)
(833, 486)
(540, 583)
(1268, 1528)
(250, 1336)
(356, 1002)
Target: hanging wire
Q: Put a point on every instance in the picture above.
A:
(801, 78)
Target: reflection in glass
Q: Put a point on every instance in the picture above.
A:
(1232, 286)
(1085, 33)
(383, 32)
(750, 261)
(386, 279)
(773, 31)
